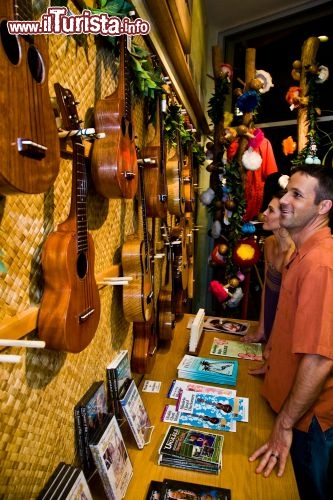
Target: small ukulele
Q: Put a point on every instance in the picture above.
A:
(70, 307)
(136, 263)
(154, 173)
(114, 162)
(176, 195)
(29, 145)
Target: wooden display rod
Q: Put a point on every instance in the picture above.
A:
(26, 321)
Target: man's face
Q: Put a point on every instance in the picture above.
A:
(298, 209)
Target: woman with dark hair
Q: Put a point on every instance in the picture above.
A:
(278, 248)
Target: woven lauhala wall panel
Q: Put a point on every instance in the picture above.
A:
(37, 396)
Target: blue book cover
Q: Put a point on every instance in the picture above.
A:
(214, 405)
(208, 369)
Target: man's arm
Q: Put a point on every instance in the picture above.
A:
(310, 378)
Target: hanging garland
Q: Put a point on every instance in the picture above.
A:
(175, 122)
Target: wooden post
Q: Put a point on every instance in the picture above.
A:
(250, 71)
(308, 58)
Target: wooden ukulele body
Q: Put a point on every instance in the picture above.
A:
(137, 295)
(70, 307)
(144, 345)
(176, 197)
(29, 145)
(114, 161)
(155, 183)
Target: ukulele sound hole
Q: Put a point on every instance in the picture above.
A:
(10, 44)
(35, 64)
(81, 265)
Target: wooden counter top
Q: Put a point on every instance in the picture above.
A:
(237, 472)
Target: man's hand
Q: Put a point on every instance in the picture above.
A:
(275, 452)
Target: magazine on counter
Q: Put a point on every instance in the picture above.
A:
(236, 349)
(224, 325)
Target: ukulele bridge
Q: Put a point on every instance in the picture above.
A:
(86, 315)
(150, 297)
(27, 147)
(129, 175)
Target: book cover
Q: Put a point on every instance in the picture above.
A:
(111, 458)
(208, 370)
(225, 325)
(182, 385)
(89, 413)
(154, 490)
(172, 488)
(79, 489)
(136, 415)
(214, 405)
(118, 376)
(191, 448)
(203, 421)
(236, 349)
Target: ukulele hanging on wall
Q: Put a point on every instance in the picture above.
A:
(70, 307)
(136, 263)
(174, 175)
(154, 172)
(29, 143)
(114, 162)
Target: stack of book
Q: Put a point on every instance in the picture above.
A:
(66, 483)
(191, 449)
(118, 378)
(126, 400)
(111, 458)
(208, 370)
(207, 406)
(171, 488)
(88, 416)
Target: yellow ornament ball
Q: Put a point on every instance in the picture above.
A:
(223, 249)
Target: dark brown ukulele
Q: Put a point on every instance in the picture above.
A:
(29, 145)
(114, 162)
(70, 307)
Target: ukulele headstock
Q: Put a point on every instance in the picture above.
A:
(67, 107)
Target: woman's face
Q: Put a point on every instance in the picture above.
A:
(272, 215)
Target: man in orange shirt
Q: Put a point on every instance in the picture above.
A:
(299, 372)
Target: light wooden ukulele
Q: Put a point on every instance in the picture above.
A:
(136, 263)
(176, 197)
(70, 308)
(114, 162)
(29, 145)
(154, 172)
